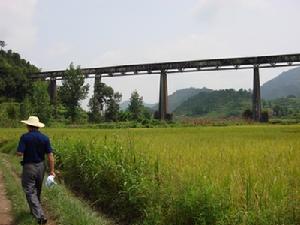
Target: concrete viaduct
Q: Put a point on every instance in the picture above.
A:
(165, 68)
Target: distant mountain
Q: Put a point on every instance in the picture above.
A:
(180, 96)
(287, 83)
(216, 103)
(174, 100)
(124, 105)
(207, 102)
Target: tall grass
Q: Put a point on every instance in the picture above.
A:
(211, 175)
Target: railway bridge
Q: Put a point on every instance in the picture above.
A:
(165, 68)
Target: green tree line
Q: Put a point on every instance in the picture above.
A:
(20, 96)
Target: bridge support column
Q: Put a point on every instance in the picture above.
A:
(163, 96)
(52, 90)
(256, 104)
(97, 82)
(53, 94)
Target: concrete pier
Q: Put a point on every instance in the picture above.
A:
(163, 96)
(256, 101)
(52, 91)
(97, 82)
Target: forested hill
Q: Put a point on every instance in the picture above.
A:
(180, 96)
(287, 83)
(14, 71)
(174, 100)
(216, 103)
(124, 105)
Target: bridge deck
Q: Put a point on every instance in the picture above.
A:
(184, 66)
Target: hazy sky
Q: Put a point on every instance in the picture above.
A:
(53, 33)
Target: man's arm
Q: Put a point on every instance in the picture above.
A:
(50, 156)
(51, 163)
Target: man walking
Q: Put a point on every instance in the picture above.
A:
(33, 146)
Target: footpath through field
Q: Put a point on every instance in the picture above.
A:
(61, 206)
(5, 205)
(16, 178)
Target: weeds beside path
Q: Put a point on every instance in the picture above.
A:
(61, 206)
(20, 210)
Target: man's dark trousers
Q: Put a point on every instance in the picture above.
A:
(32, 180)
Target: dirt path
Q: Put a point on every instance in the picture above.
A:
(5, 205)
(17, 177)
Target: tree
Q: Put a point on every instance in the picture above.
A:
(40, 101)
(112, 111)
(2, 44)
(264, 116)
(99, 101)
(124, 115)
(25, 108)
(280, 111)
(247, 114)
(136, 106)
(73, 90)
(14, 71)
(95, 112)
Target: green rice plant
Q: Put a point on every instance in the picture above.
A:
(114, 179)
(9, 146)
(203, 175)
(195, 205)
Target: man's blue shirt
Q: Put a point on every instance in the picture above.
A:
(34, 145)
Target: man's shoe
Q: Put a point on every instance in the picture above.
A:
(42, 220)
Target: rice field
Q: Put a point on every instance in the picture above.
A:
(204, 175)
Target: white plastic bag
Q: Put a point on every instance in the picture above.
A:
(50, 181)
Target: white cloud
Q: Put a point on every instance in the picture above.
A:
(58, 49)
(210, 8)
(17, 27)
(210, 29)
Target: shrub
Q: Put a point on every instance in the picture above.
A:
(247, 114)
(264, 117)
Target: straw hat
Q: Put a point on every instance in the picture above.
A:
(33, 121)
